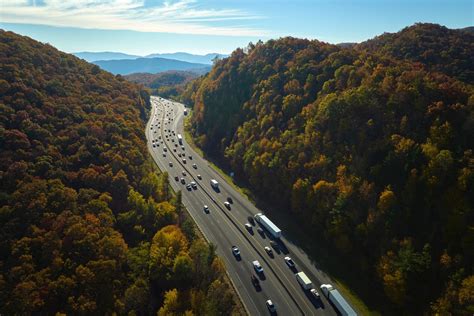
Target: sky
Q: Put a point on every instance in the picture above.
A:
(143, 27)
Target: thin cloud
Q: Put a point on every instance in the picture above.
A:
(182, 16)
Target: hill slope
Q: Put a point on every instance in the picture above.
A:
(367, 150)
(87, 225)
(439, 48)
(151, 65)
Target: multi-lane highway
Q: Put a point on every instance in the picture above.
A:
(225, 227)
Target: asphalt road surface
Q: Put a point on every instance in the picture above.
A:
(225, 228)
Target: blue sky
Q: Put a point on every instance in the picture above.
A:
(154, 26)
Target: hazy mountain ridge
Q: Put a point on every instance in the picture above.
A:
(183, 56)
(367, 147)
(149, 65)
(94, 56)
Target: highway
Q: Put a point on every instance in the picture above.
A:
(225, 227)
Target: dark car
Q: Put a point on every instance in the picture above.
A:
(255, 281)
(229, 199)
(251, 220)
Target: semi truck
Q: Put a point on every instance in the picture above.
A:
(304, 281)
(268, 224)
(337, 300)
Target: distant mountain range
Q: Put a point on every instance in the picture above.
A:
(150, 65)
(94, 56)
(190, 58)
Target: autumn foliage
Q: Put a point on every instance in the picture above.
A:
(88, 226)
(368, 147)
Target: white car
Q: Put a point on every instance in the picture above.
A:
(206, 209)
(227, 205)
(184, 160)
(199, 177)
(256, 265)
(248, 226)
(314, 293)
(268, 250)
(171, 164)
(290, 262)
(236, 251)
(271, 307)
(195, 166)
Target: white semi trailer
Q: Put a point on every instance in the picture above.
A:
(337, 300)
(268, 224)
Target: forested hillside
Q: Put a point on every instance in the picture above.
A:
(87, 226)
(369, 148)
(166, 84)
(438, 48)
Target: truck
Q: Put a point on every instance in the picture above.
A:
(268, 224)
(180, 139)
(304, 281)
(214, 184)
(337, 300)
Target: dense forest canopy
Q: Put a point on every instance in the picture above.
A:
(168, 84)
(368, 147)
(88, 226)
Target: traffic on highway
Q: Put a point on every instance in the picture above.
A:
(270, 274)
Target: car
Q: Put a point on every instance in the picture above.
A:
(164, 154)
(171, 164)
(227, 205)
(188, 187)
(179, 154)
(199, 177)
(182, 147)
(175, 145)
(268, 250)
(229, 199)
(314, 293)
(184, 160)
(271, 307)
(176, 178)
(183, 181)
(174, 149)
(236, 251)
(190, 157)
(172, 140)
(251, 220)
(194, 185)
(290, 262)
(256, 265)
(183, 173)
(206, 209)
(165, 149)
(255, 281)
(274, 244)
(154, 146)
(195, 166)
(248, 226)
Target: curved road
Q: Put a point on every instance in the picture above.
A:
(225, 227)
